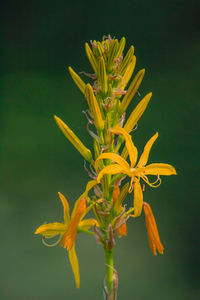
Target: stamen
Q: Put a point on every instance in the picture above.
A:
(50, 245)
(152, 184)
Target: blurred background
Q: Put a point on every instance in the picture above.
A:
(40, 39)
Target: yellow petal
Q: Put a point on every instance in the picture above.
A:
(145, 155)
(51, 229)
(131, 91)
(94, 107)
(111, 169)
(91, 57)
(85, 152)
(65, 208)
(138, 199)
(87, 223)
(114, 157)
(79, 82)
(75, 266)
(159, 169)
(103, 76)
(137, 113)
(132, 150)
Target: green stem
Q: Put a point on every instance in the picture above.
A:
(109, 269)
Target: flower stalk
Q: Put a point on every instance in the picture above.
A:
(113, 159)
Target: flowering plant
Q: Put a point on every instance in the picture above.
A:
(114, 158)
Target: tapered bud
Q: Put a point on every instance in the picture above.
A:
(85, 152)
(131, 91)
(111, 239)
(103, 76)
(94, 107)
(126, 61)
(137, 113)
(91, 57)
(79, 82)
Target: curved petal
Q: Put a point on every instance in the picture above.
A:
(87, 223)
(145, 155)
(159, 169)
(138, 199)
(65, 208)
(114, 157)
(51, 229)
(112, 169)
(132, 150)
(75, 266)
(89, 186)
(69, 237)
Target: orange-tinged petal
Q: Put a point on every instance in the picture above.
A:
(89, 186)
(122, 230)
(111, 169)
(51, 229)
(152, 231)
(119, 200)
(145, 155)
(132, 150)
(75, 266)
(65, 208)
(88, 223)
(114, 157)
(138, 198)
(68, 239)
(159, 169)
(116, 192)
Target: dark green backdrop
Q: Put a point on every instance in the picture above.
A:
(39, 40)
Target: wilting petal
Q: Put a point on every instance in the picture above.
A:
(68, 239)
(65, 208)
(75, 266)
(159, 169)
(119, 200)
(145, 155)
(114, 157)
(132, 150)
(86, 224)
(85, 152)
(116, 192)
(51, 229)
(111, 169)
(122, 230)
(152, 231)
(138, 198)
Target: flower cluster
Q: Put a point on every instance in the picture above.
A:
(113, 160)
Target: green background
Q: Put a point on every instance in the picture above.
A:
(39, 40)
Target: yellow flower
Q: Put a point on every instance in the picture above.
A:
(68, 229)
(141, 170)
(152, 231)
